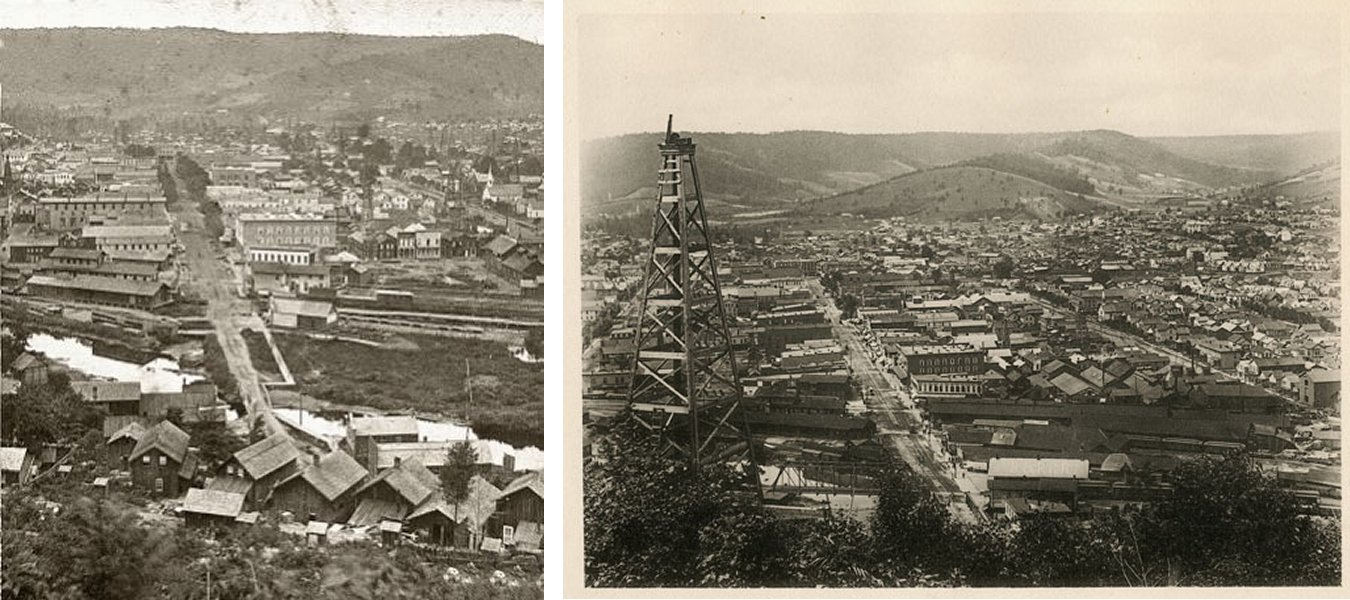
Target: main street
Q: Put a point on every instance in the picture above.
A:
(212, 279)
(900, 423)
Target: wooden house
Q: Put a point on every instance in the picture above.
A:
(521, 506)
(393, 494)
(30, 369)
(120, 445)
(263, 465)
(16, 465)
(160, 461)
(322, 491)
(211, 508)
(462, 525)
(364, 434)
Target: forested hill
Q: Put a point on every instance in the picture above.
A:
(127, 73)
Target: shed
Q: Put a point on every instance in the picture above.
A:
(16, 465)
(210, 508)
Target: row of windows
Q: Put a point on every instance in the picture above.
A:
(950, 388)
(92, 206)
(157, 246)
(294, 258)
(145, 460)
(312, 228)
(947, 361)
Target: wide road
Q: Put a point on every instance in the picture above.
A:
(212, 279)
(884, 396)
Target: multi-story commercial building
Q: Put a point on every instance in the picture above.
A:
(74, 213)
(255, 230)
(938, 359)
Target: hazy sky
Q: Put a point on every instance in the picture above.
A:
(1144, 74)
(521, 18)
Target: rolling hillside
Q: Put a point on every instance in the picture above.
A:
(955, 193)
(759, 172)
(1278, 153)
(123, 73)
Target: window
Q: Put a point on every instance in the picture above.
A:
(508, 534)
(145, 459)
(163, 461)
(159, 484)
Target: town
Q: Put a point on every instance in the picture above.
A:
(330, 332)
(1019, 369)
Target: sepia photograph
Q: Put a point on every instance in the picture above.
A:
(271, 294)
(875, 296)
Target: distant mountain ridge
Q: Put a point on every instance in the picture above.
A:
(130, 73)
(777, 170)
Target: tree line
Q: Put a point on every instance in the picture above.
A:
(653, 521)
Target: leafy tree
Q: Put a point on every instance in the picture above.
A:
(911, 528)
(1228, 520)
(848, 305)
(48, 413)
(13, 342)
(534, 342)
(214, 441)
(88, 549)
(1003, 269)
(458, 472)
(645, 514)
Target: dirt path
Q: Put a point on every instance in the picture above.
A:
(211, 279)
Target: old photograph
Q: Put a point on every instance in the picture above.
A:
(1014, 299)
(272, 299)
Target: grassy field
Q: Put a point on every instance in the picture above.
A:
(953, 193)
(260, 352)
(426, 373)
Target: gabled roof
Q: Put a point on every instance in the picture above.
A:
(226, 483)
(214, 503)
(108, 391)
(1117, 462)
(431, 454)
(500, 245)
(474, 510)
(1070, 385)
(333, 474)
(165, 437)
(99, 284)
(24, 361)
(11, 459)
(267, 455)
(414, 482)
(133, 431)
(532, 481)
(370, 511)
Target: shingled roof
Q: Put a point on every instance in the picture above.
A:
(165, 437)
(267, 455)
(133, 431)
(414, 482)
(333, 474)
(214, 503)
(475, 509)
(533, 481)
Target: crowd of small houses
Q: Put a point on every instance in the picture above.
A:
(1030, 404)
(380, 482)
